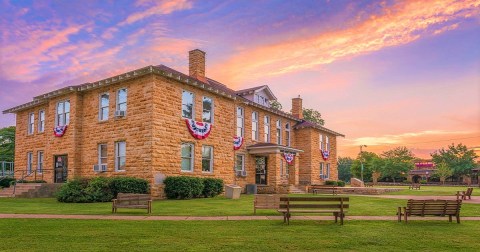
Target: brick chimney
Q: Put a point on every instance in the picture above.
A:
(197, 64)
(297, 109)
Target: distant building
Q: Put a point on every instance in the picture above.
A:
(424, 168)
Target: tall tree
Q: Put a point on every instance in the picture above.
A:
(7, 144)
(397, 162)
(443, 172)
(344, 165)
(313, 116)
(458, 158)
(274, 104)
(368, 160)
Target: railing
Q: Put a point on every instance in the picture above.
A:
(26, 175)
(6, 169)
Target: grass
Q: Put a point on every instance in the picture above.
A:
(219, 206)
(432, 190)
(105, 235)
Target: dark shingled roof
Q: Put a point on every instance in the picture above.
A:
(308, 124)
(248, 89)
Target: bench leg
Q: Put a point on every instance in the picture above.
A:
(341, 218)
(458, 218)
(449, 218)
(405, 214)
(288, 218)
(399, 214)
(336, 217)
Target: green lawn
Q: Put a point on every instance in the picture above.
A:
(105, 235)
(219, 206)
(432, 190)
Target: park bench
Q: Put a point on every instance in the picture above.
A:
(324, 189)
(430, 207)
(338, 206)
(266, 201)
(414, 186)
(369, 184)
(132, 200)
(463, 195)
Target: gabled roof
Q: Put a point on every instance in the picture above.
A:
(257, 89)
(308, 124)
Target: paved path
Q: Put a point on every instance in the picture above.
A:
(474, 200)
(211, 218)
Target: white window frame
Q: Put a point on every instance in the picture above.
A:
(41, 122)
(322, 167)
(211, 110)
(320, 141)
(210, 169)
(192, 156)
(278, 131)
(327, 143)
(287, 134)
(117, 100)
(327, 171)
(40, 161)
(31, 123)
(99, 150)
(255, 126)
(65, 113)
(242, 157)
(242, 117)
(118, 157)
(266, 128)
(193, 104)
(29, 162)
(101, 108)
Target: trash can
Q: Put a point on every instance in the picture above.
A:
(233, 191)
(251, 189)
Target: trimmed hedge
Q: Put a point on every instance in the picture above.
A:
(335, 183)
(185, 187)
(99, 189)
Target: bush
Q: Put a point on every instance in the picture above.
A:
(212, 187)
(184, 187)
(128, 185)
(5, 182)
(331, 182)
(73, 191)
(99, 190)
(423, 181)
(341, 183)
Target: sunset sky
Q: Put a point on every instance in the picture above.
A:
(384, 73)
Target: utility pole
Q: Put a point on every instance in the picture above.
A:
(361, 161)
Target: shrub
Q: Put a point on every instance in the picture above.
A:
(5, 182)
(73, 191)
(331, 182)
(341, 183)
(423, 181)
(183, 187)
(212, 187)
(128, 185)
(99, 190)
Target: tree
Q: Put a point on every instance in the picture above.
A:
(397, 162)
(443, 172)
(274, 104)
(458, 158)
(368, 160)
(313, 116)
(7, 144)
(344, 165)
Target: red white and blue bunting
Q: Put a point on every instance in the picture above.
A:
(237, 142)
(59, 131)
(199, 130)
(325, 154)
(289, 157)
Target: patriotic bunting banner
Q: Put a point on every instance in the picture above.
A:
(325, 154)
(59, 131)
(289, 157)
(199, 130)
(237, 142)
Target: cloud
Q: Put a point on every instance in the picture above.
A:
(400, 24)
(405, 138)
(159, 8)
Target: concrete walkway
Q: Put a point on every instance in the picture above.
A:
(474, 200)
(212, 218)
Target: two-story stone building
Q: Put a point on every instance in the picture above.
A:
(155, 122)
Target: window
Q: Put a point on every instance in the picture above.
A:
(287, 131)
(40, 161)
(187, 157)
(324, 170)
(120, 156)
(63, 113)
(104, 103)
(239, 121)
(321, 170)
(320, 141)
(29, 162)
(31, 119)
(240, 163)
(102, 154)
(327, 143)
(327, 171)
(266, 127)
(207, 115)
(41, 121)
(254, 126)
(279, 132)
(207, 158)
(122, 99)
(187, 105)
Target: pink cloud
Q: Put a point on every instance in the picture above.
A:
(159, 8)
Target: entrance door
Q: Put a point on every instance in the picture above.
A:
(61, 170)
(260, 170)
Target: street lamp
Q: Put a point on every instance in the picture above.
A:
(361, 162)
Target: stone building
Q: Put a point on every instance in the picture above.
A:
(155, 122)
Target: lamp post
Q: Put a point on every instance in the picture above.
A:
(361, 161)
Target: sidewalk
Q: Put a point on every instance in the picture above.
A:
(212, 218)
(474, 200)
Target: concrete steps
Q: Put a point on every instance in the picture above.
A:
(21, 190)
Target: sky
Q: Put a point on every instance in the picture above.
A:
(384, 73)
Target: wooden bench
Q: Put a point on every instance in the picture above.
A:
(266, 201)
(430, 207)
(324, 189)
(414, 186)
(463, 195)
(132, 200)
(338, 206)
(369, 184)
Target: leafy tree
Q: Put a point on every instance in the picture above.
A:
(368, 160)
(313, 116)
(344, 165)
(397, 162)
(274, 104)
(458, 158)
(443, 172)
(7, 144)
